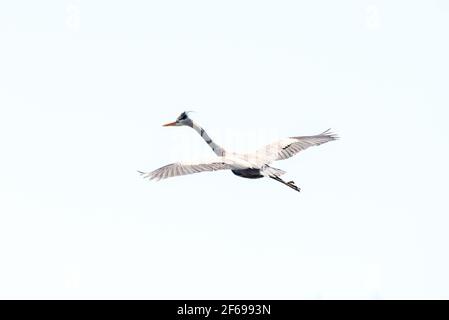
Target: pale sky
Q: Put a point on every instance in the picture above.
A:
(86, 85)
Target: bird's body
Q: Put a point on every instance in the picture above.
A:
(250, 165)
(250, 173)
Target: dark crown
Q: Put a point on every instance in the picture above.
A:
(183, 116)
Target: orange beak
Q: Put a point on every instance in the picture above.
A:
(171, 124)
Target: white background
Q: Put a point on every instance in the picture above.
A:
(86, 85)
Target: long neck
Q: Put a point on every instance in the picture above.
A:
(219, 151)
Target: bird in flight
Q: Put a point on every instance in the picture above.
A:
(250, 165)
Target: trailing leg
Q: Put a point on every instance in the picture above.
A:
(290, 184)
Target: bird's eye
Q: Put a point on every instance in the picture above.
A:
(182, 116)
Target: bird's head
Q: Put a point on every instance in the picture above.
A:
(182, 120)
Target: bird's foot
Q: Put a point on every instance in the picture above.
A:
(292, 185)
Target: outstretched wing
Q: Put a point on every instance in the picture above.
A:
(287, 148)
(180, 169)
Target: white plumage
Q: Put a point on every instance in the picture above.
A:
(250, 165)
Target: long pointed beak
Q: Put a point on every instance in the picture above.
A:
(171, 124)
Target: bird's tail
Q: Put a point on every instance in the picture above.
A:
(270, 171)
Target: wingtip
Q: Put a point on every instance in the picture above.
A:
(146, 175)
(331, 134)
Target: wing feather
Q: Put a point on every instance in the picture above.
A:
(180, 169)
(286, 148)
